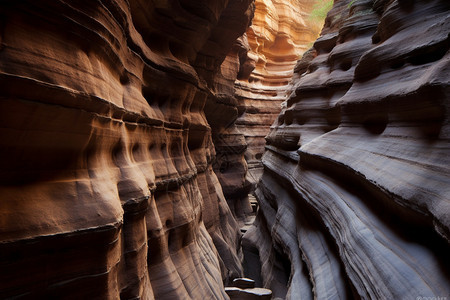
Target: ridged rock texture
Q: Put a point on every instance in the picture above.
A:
(354, 198)
(221, 111)
(281, 31)
(107, 188)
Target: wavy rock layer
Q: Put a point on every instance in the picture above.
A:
(280, 33)
(354, 199)
(221, 111)
(107, 185)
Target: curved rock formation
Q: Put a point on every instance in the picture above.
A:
(281, 31)
(221, 112)
(106, 181)
(354, 199)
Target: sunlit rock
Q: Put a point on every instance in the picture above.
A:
(281, 31)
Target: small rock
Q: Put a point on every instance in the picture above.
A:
(244, 283)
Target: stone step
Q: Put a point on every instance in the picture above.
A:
(248, 294)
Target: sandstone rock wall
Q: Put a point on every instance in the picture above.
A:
(281, 31)
(354, 199)
(221, 111)
(107, 188)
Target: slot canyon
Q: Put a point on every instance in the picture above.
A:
(225, 149)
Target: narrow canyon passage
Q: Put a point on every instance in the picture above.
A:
(137, 138)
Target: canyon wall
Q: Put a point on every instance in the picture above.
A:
(221, 111)
(281, 31)
(354, 198)
(107, 187)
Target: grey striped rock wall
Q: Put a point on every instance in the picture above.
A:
(355, 195)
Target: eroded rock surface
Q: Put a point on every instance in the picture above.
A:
(354, 199)
(107, 188)
(221, 111)
(281, 31)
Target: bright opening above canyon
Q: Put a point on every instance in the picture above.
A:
(225, 149)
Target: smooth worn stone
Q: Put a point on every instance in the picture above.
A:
(108, 182)
(354, 197)
(248, 294)
(243, 283)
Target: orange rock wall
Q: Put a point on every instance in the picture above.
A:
(281, 31)
(107, 188)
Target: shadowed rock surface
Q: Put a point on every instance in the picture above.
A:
(354, 199)
(221, 111)
(107, 188)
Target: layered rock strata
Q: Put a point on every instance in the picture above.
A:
(354, 199)
(281, 31)
(221, 111)
(107, 187)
